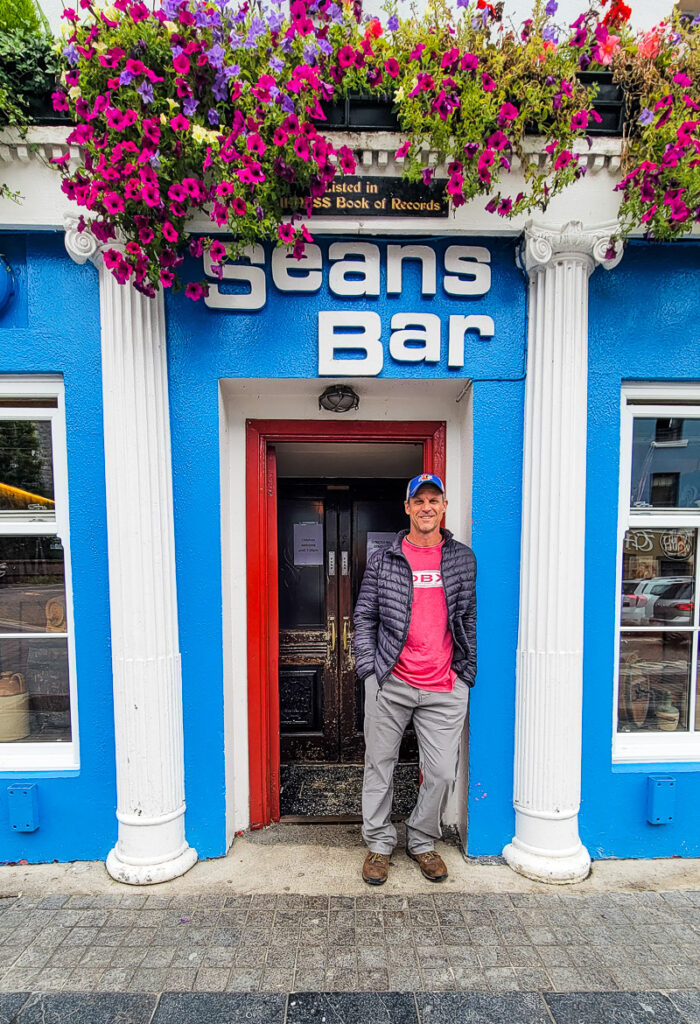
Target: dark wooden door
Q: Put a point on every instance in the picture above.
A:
(325, 533)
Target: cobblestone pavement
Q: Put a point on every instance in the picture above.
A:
(438, 956)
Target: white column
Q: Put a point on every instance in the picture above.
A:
(547, 775)
(151, 845)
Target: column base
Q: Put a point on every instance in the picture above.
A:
(150, 874)
(545, 867)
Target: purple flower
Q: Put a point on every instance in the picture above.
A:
(276, 64)
(335, 13)
(696, 19)
(189, 106)
(232, 70)
(145, 91)
(275, 21)
(646, 116)
(325, 47)
(393, 23)
(126, 77)
(71, 54)
(309, 52)
(462, 3)
(170, 8)
(239, 16)
(428, 173)
(287, 104)
(220, 87)
(551, 8)
(216, 55)
(550, 34)
(212, 116)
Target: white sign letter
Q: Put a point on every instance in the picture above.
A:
(343, 278)
(470, 262)
(365, 338)
(396, 254)
(297, 275)
(421, 327)
(459, 325)
(253, 276)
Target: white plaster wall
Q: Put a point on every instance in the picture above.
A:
(384, 400)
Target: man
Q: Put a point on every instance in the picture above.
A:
(415, 647)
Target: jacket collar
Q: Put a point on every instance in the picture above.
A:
(395, 548)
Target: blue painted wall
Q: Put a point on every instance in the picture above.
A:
(280, 341)
(643, 319)
(52, 326)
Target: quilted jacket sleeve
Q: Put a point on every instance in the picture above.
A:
(366, 619)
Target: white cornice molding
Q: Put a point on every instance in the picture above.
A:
(541, 245)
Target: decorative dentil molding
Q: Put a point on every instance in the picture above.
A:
(541, 245)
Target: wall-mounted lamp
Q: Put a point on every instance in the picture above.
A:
(339, 398)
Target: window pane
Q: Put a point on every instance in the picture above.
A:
(654, 681)
(302, 580)
(658, 577)
(34, 693)
(32, 593)
(26, 469)
(665, 463)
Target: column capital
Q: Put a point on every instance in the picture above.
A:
(83, 246)
(593, 245)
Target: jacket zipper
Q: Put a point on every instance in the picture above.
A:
(400, 554)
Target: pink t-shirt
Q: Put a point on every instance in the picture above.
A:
(426, 659)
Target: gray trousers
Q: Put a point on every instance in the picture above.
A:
(438, 719)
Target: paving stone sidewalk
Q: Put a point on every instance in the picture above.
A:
(559, 942)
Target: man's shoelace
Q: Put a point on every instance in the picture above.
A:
(377, 858)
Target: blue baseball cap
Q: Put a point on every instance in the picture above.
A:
(424, 478)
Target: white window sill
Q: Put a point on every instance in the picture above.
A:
(656, 749)
(38, 757)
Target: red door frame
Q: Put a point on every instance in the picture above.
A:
(261, 550)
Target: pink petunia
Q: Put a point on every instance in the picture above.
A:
(346, 56)
(169, 232)
(563, 160)
(179, 123)
(196, 291)
(391, 66)
(113, 203)
(286, 233)
(487, 83)
(238, 206)
(181, 63)
(217, 251)
(507, 113)
(579, 120)
(682, 79)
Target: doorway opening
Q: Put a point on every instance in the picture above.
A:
(320, 498)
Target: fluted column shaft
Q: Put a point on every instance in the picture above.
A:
(547, 769)
(151, 845)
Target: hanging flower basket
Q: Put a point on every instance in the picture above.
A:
(610, 102)
(363, 112)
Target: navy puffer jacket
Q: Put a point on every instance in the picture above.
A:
(383, 609)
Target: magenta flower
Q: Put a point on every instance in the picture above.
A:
(346, 160)
(181, 63)
(469, 62)
(415, 54)
(391, 66)
(280, 137)
(169, 232)
(563, 160)
(682, 79)
(504, 207)
(166, 278)
(286, 233)
(196, 291)
(346, 56)
(146, 235)
(301, 148)
(177, 192)
(507, 113)
(403, 149)
(454, 185)
(499, 140)
(579, 120)
(59, 101)
(255, 145)
(179, 123)
(217, 251)
(113, 203)
(487, 83)
(238, 205)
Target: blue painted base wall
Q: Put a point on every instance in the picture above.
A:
(643, 325)
(53, 327)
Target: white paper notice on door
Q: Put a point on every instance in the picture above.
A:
(308, 543)
(376, 541)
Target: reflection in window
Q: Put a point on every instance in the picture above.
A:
(654, 692)
(26, 470)
(658, 577)
(32, 593)
(665, 463)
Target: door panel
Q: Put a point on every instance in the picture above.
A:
(321, 697)
(308, 670)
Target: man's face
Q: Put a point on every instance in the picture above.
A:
(426, 508)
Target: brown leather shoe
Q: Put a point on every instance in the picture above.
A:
(375, 869)
(431, 864)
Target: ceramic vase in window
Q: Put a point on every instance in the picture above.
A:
(667, 714)
(14, 707)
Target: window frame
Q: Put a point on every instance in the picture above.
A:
(50, 756)
(648, 401)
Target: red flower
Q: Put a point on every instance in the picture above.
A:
(374, 29)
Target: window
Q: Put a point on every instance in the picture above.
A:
(37, 674)
(657, 705)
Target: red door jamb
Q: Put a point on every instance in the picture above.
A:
(261, 548)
